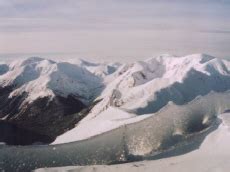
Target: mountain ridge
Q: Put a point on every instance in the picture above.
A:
(143, 88)
(47, 97)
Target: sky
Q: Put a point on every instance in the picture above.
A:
(117, 30)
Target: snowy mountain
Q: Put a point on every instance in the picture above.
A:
(48, 97)
(99, 69)
(42, 95)
(152, 109)
(138, 90)
(147, 86)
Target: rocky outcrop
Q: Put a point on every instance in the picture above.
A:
(44, 98)
(45, 116)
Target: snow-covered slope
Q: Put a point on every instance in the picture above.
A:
(40, 78)
(41, 95)
(145, 87)
(212, 156)
(99, 69)
(173, 129)
(106, 121)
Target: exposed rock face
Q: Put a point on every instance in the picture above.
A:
(13, 135)
(44, 98)
(44, 116)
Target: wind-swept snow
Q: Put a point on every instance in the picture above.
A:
(212, 156)
(109, 119)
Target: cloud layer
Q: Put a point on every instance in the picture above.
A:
(73, 26)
